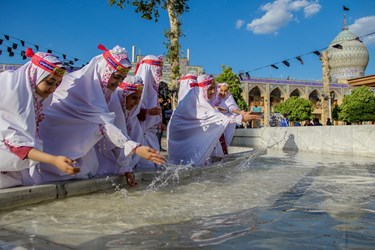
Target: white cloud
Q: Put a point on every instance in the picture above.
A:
(279, 13)
(312, 9)
(364, 26)
(239, 24)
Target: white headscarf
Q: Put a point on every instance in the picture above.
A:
(195, 126)
(185, 85)
(21, 113)
(79, 114)
(150, 70)
(229, 104)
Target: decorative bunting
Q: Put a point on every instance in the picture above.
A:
(247, 75)
(337, 46)
(286, 63)
(317, 53)
(23, 53)
(23, 43)
(75, 59)
(14, 46)
(64, 56)
(274, 66)
(9, 49)
(24, 57)
(37, 47)
(345, 8)
(49, 51)
(1, 41)
(299, 59)
(11, 54)
(6, 37)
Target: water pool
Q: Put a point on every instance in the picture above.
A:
(282, 200)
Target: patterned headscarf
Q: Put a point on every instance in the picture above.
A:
(116, 59)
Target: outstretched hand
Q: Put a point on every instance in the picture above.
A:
(248, 116)
(65, 164)
(150, 154)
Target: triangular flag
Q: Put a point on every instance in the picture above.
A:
(49, 51)
(286, 63)
(23, 53)
(274, 66)
(6, 37)
(11, 53)
(1, 41)
(75, 59)
(317, 53)
(23, 43)
(337, 46)
(9, 49)
(37, 47)
(247, 75)
(1, 52)
(24, 57)
(64, 56)
(14, 46)
(345, 8)
(299, 59)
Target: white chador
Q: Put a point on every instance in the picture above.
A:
(150, 70)
(184, 85)
(79, 116)
(195, 126)
(227, 105)
(20, 114)
(111, 158)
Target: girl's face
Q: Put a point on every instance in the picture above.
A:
(133, 100)
(115, 80)
(211, 91)
(48, 85)
(223, 91)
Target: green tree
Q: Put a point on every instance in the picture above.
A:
(335, 113)
(227, 75)
(359, 106)
(149, 10)
(295, 107)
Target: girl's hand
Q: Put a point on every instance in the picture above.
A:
(130, 179)
(65, 164)
(150, 154)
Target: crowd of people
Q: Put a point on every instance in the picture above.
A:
(98, 121)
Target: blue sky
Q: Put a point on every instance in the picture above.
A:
(242, 34)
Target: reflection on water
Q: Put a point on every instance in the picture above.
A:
(276, 201)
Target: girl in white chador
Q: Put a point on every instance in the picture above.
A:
(21, 103)
(184, 85)
(79, 116)
(149, 114)
(111, 160)
(196, 126)
(223, 100)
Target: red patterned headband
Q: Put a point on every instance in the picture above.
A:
(112, 61)
(202, 84)
(44, 64)
(131, 86)
(187, 77)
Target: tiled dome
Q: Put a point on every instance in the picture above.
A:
(350, 61)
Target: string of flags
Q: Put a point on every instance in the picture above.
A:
(286, 62)
(13, 45)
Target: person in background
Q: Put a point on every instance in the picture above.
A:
(21, 102)
(316, 122)
(80, 116)
(284, 121)
(196, 126)
(297, 123)
(328, 123)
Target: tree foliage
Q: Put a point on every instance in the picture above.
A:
(227, 75)
(295, 107)
(149, 10)
(359, 106)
